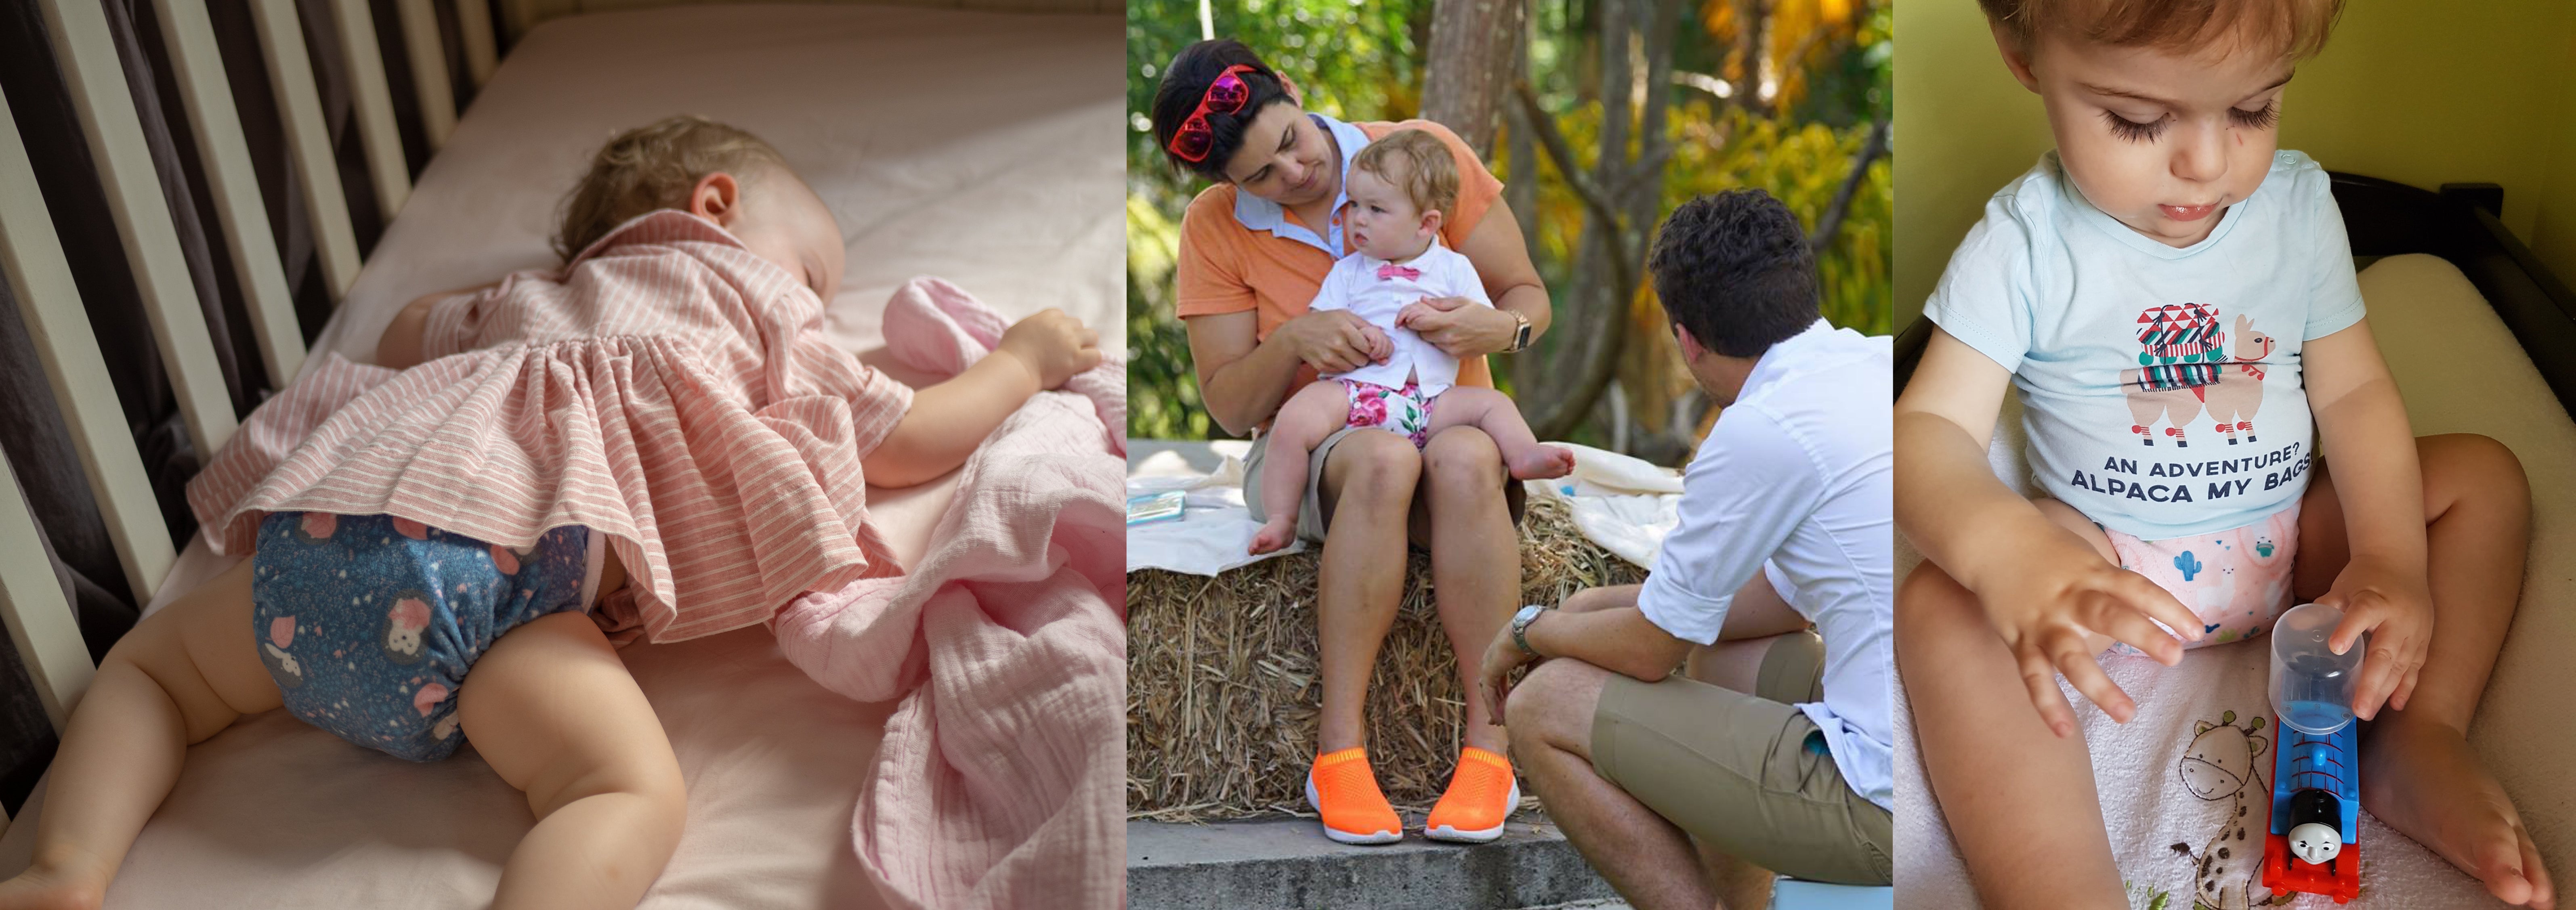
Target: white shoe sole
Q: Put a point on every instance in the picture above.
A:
(1483, 835)
(1344, 837)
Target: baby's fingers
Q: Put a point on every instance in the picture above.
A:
(2153, 600)
(2123, 623)
(2041, 679)
(2067, 649)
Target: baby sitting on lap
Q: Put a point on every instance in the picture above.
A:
(1400, 187)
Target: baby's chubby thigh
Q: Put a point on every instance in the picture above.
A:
(1311, 414)
(2067, 517)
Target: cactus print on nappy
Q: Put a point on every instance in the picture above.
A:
(369, 622)
(2237, 580)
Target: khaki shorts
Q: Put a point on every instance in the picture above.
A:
(1310, 510)
(1746, 774)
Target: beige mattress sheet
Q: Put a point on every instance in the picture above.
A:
(984, 148)
(2460, 372)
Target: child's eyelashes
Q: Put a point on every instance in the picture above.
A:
(2132, 130)
(2264, 118)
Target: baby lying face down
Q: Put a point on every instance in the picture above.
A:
(661, 409)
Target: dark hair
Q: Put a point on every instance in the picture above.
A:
(1185, 84)
(1735, 271)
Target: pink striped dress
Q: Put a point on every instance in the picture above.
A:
(667, 388)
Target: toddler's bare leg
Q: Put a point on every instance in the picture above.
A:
(1494, 413)
(2019, 800)
(2418, 773)
(553, 711)
(1302, 423)
(181, 675)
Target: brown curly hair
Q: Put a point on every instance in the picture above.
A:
(653, 167)
(2296, 29)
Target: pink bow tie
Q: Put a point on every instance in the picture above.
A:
(1392, 270)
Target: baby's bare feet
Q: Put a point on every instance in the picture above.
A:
(1277, 533)
(1540, 462)
(2422, 779)
(49, 887)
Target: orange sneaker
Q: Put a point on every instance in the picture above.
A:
(1344, 791)
(1482, 794)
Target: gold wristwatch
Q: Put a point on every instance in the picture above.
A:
(1520, 332)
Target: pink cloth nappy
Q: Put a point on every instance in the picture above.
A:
(2237, 580)
(1405, 412)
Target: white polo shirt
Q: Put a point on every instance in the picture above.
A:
(1797, 481)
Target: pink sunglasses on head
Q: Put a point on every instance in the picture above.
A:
(1226, 95)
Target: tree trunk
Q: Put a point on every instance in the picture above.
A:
(1469, 62)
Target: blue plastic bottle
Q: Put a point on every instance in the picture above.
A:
(2311, 685)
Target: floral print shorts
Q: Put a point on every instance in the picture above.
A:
(1405, 412)
(370, 622)
(2237, 580)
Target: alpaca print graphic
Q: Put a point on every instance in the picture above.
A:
(2185, 370)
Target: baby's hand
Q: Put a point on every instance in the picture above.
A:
(2396, 608)
(2055, 589)
(1053, 344)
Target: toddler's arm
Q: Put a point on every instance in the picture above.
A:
(2383, 589)
(947, 421)
(2042, 587)
(399, 347)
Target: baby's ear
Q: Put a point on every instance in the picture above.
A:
(1431, 220)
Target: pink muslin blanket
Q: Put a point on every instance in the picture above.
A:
(999, 781)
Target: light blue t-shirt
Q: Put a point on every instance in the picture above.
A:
(2160, 386)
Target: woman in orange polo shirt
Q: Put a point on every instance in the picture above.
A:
(1254, 249)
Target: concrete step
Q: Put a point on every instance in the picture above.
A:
(1286, 864)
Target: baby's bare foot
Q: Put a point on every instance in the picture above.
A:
(1540, 462)
(2422, 779)
(47, 887)
(1273, 535)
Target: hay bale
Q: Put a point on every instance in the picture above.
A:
(1223, 690)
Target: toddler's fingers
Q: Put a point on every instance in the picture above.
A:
(2361, 613)
(2087, 677)
(1086, 359)
(2041, 679)
(1090, 338)
(2405, 689)
(2153, 600)
(2114, 618)
(2381, 670)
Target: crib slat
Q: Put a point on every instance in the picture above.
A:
(474, 25)
(375, 105)
(217, 127)
(97, 81)
(40, 621)
(32, 257)
(290, 72)
(428, 69)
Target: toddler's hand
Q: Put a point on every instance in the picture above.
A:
(1053, 344)
(2056, 589)
(2396, 608)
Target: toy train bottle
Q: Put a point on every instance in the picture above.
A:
(2316, 776)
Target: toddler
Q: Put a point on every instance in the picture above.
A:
(425, 559)
(1400, 188)
(2176, 303)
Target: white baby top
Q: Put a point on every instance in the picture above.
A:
(1375, 289)
(2161, 386)
(1797, 481)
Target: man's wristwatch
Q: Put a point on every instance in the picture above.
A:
(1521, 624)
(1520, 332)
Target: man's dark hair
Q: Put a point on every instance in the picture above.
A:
(1734, 270)
(1185, 84)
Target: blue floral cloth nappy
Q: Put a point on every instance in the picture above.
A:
(370, 622)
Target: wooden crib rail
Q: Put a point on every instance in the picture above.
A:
(252, 246)
(299, 108)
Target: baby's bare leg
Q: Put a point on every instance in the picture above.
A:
(2418, 772)
(1302, 423)
(181, 675)
(2020, 801)
(1494, 413)
(553, 711)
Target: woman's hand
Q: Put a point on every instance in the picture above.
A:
(2396, 608)
(1335, 341)
(2055, 589)
(1459, 326)
(1053, 344)
(1493, 682)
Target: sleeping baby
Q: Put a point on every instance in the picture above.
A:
(657, 432)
